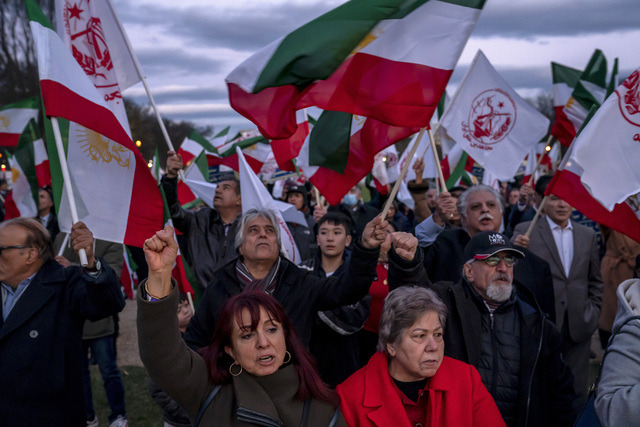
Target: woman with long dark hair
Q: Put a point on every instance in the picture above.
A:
(255, 371)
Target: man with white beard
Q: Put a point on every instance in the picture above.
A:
(480, 209)
(490, 326)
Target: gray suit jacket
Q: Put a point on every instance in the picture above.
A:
(580, 294)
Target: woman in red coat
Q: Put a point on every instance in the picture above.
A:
(410, 382)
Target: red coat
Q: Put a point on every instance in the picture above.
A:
(457, 397)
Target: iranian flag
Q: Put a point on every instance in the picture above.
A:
(197, 182)
(43, 170)
(255, 195)
(14, 118)
(492, 122)
(585, 178)
(564, 82)
(341, 148)
(195, 143)
(116, 195)
(23, 198)
(385, 59)
(456, 167)
(254, 146)
(286, 150)
(590, 90)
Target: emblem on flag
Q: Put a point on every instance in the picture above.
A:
(629, 98)
(491, 118)
(101, 149)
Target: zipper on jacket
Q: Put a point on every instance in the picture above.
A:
(494, 357)
(535, 364)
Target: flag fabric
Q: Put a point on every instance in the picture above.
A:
(491, 121)
(613, 81)
(115, 193)
(341, 148)
(590, 89)
(23, 198)
(156, 171)
(529, 168)
(385, 59)
(564, 82)
(14, 118)
(43, 170)
(256, 195)
(254, 146)
(286, 150)
(127, 278)
(196, 179)
(585, 178)
(456, 167)
(189, 150)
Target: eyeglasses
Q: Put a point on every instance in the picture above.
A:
(2, 248)
(494, 260)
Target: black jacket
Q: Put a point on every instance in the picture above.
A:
(545, 392)
(300, 292)
(207, 246)
(41, 344)
(443, 261)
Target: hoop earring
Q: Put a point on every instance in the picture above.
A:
(231, 370)
(287, 360)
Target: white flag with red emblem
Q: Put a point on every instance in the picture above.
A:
(492, 122)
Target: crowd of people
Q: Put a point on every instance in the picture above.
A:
(463, 310)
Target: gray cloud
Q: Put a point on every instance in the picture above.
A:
(174, 61)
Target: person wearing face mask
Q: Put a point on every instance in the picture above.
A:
(352, 206)
(410, 382)
(493, 327)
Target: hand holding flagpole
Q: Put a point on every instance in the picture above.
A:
(67, 183)
(432, 140)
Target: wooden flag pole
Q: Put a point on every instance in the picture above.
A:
(535, 218)
(549, 143)
(67, 182)
(319, 198)
(403, 172)
(191, 306)
(432, 140)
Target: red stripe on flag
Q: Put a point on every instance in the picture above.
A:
(185, 195)
(9, 139)
(563, 129)
(568, 187)
(285, 150)
(398, 93)
(11, 209)
(180, 275)
(126, 281)
(43, 174)
(186, 156)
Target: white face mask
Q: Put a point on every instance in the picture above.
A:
(350, 200)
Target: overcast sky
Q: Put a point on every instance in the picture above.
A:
(187, 48)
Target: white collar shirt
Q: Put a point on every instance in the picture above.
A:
(564, 242)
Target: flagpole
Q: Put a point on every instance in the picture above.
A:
(432, 140)
(67, 182)
(549, 143)
(403, 172)
(64, 243)
(136, 63)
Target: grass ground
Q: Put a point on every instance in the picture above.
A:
(141, 409)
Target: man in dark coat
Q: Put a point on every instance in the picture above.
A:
(480, 209)
(301, 293)
(493, 326)
(44, 306)
(209, 233)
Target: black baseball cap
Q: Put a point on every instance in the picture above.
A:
(488, 243)
(298, 189)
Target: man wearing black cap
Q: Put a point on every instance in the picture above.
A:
(495, 325)
(303, 236)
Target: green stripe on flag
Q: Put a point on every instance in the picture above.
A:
(203, 165)
(594, 76)
(329, 141)
(35, 14)
(410, 6)
(458, 171)
(315, 50)
(195, 136)
(563, 74)
(57, 182)
(33, 102)
(613, 83)
(230, 150)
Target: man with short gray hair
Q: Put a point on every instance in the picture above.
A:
(261, 266)
(492, 326)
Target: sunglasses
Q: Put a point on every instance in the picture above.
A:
(494, 260)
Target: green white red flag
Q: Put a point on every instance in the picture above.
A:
(491, 122)
(127, 278)
(116, 195)
(456, 167)
(564, 82)
(193, 145)
(590, 90)
(385, 59)
(286, 150)
(14, 118)
(254, 146)
(22, 200)
(340, 150)
(196, 179)
(586, 179)
(41, 159)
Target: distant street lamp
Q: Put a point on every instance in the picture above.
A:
(138, 143)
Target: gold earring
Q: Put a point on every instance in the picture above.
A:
(287, 360)
(231, 370)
